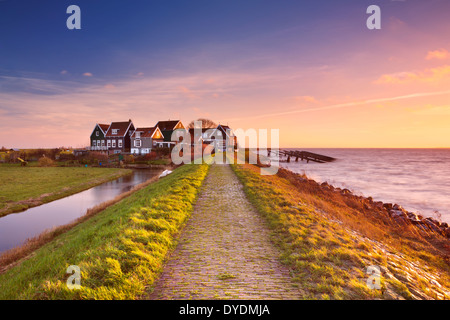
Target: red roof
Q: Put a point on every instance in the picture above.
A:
(104, 127)
(167, 125)
(145, 132)
(121, 128)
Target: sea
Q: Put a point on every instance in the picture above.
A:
(416, 179)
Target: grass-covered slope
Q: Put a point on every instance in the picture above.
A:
(329, 245)
(119, 251)
(24, 187)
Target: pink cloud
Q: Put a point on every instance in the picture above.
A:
(432, 75)
(441, 54)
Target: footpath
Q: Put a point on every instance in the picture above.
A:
(224, 251)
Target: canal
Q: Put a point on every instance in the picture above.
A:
(16, 228)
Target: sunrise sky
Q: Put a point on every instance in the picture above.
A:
(309, 68)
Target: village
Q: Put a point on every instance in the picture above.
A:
(122, 141)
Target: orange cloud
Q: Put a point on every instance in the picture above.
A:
(434, 111)
(438, 54)
(309, 99)
(87, 74)
(188, 92)
(428, 75)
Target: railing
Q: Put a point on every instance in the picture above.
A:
(99, 148)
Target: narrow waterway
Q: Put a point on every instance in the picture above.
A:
(18, 227)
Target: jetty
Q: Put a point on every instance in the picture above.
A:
(302, 155)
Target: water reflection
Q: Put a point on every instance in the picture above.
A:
(16, 228)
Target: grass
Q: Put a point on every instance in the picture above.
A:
(225, 276)
(120, 250)
(327, 260)
(159, 162)
(24, 187)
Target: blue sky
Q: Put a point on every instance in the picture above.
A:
(153, 60)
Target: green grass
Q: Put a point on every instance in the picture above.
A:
(23, 187)
(160, 162)
(324, 258)
(120, 250)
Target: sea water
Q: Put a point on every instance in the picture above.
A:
(417, 179)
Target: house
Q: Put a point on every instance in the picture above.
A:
(228, 136)
(143, 140)
(98, 140)
(199, 139)
(219, 137)
(167, 128)
(118, 137)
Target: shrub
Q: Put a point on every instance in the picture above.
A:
(128, 159)
(150, 156)
(46, 162)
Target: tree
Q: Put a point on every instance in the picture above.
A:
(206, 123)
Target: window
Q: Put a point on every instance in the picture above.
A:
(114, 131)
(137, 143)
(109, 143)
(98, 143)
(94, 143)
(138, 134)
(119, 142)
(113, 143)
(103, 143)
(96, 133)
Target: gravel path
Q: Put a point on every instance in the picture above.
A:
(224, 251)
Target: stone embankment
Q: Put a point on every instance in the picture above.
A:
(397, 213)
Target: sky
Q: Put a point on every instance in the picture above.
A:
(311, 69)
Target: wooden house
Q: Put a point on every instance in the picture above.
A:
(143, 140)
(118, 137)
(98, 140)
(216, 136)
(228, 136)
(167, 128)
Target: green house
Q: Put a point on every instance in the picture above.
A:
(98, 141)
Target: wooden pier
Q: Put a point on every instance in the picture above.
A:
(302, 155)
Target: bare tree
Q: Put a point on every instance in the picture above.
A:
(206, 123)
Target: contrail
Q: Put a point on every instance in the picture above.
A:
(349, 104)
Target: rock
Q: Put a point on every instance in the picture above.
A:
(412, 217)
(435, 283)
(402, 277)
(401, 220)
(444, 225)
(390, 294)
(370, 199)
(447, 232)
(417, 294)
(435, 222)
(397, 207)
(378, 205)
(398, 213)
(432, 225)
(346, 192)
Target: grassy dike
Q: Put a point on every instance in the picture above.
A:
(120, 250)
(328, 258)
(18, 189)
